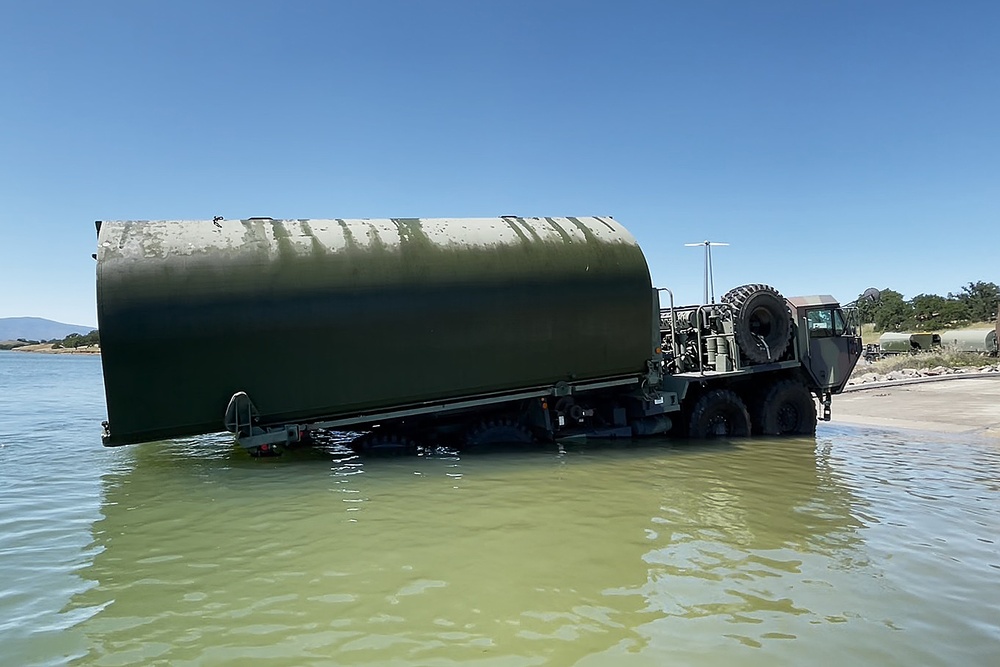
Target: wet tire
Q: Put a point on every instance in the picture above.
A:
(762, 322)
(496, 432)
(787, 408)
(265, 452)
(384, 444)
(719, 414)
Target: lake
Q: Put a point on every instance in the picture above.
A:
(858, 546)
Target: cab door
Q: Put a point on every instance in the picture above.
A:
(832, 348)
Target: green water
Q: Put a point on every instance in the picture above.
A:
(855, 547)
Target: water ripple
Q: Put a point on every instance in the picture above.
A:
(860, 545)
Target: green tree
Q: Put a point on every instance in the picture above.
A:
(76, 340)
(931, 311)
(891, 312)
(980, 300)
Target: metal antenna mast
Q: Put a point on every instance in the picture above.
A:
(709, 277)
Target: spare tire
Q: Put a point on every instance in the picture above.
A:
(762, 322)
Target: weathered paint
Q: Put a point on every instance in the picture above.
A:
(798, 302)
(828, 355)
(320, 318)
(971, 340)
(905, 343)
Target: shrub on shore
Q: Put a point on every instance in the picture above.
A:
(76, 340)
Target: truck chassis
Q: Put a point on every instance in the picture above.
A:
(731, 369)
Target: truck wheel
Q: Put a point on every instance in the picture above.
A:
(264, 452)
(788, 408)
(762, 323)
(497, 432)
(384, 444)
(719, 414)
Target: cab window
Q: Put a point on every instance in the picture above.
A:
(839, 326)
(823, 323)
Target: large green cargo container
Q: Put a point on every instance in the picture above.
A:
(324, 318)
(907, 343)
(971, 340)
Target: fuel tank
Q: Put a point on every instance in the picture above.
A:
(971, 340)
(319, 319)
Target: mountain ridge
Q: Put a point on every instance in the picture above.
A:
(38, 328)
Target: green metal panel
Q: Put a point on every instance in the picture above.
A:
(830, 352)
(971, 340)
(324, 318)
(901, 343)
(895, 342)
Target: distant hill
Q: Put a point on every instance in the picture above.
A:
(37, 328)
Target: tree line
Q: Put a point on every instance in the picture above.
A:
(77, 340)
(74, 340)
(976, 302)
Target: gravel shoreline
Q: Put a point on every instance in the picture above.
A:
(860, 378)
(966, 402)
(47, 348)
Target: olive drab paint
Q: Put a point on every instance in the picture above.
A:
(827, 355)
(982, 341)
(319, 318)
(461, 331)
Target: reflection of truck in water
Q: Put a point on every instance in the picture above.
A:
(442, 331)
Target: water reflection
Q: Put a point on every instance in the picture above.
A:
(509, 559)
(863, 546)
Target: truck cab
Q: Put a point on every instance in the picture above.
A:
(829, 341)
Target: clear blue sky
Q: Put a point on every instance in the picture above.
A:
(834, 144)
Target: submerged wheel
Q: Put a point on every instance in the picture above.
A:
(719, 414)
(384, 444)
(497, 432)
(762, 323)
(787, 408)
(264, 452)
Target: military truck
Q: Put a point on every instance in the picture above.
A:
(429, 332)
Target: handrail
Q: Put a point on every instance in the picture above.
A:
(702, 314)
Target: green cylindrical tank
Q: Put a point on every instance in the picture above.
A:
(971, 340)
(905, 343)
(324, 318)
(895, 343)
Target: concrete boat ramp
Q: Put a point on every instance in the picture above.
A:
(968, 404)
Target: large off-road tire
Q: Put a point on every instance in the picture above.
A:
(500, 431)
(719, 414)
(264, 452)
(384, 444)
(762, 323)
(787, 408)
